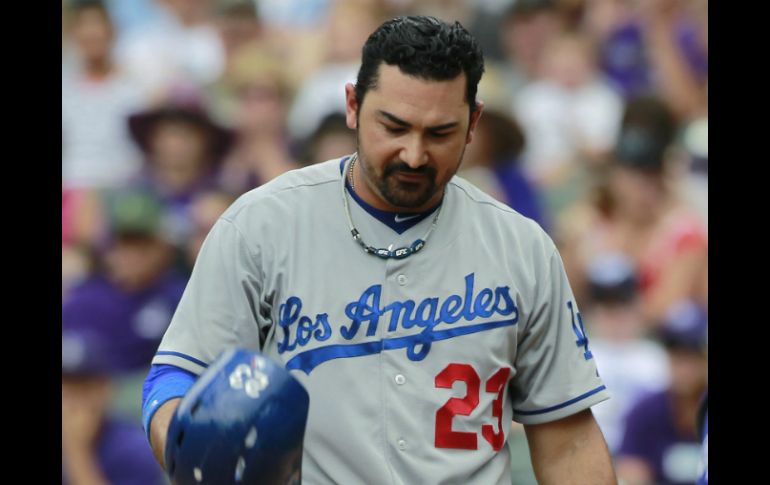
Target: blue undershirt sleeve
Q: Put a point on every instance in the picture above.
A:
(162, 383)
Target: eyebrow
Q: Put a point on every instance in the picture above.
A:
(395, 119)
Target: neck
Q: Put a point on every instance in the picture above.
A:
(98, 68)
(371, 195)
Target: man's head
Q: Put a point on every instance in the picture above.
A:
(92, 31)
(139, 250)
(425, 48)
(639, 175)
(683, 331)
(414, 108)
(613, 295)
(180, 139)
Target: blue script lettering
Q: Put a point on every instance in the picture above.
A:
(288, 314)
(448, 309)
(367, 311)
(360, 312)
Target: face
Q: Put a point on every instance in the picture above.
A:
(411, 136)
(261, 108)
(525, 38)
(618, 322)
(178, 152)
(568, 62)
(133, 263)
(689, 372)
(92, 33)
(638, 194)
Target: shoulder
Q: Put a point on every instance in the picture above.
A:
(480, 202)
(311, 184)
(490, 216)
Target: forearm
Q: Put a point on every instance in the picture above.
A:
(677, 84)
(579, 456)
(159, 429)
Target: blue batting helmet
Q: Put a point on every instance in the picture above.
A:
(242, 422)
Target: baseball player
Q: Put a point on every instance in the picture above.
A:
(420, 315)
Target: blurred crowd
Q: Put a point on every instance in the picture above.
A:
(595, 125)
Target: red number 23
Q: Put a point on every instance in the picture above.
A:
(445, 436)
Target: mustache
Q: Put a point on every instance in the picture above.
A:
(403, 167)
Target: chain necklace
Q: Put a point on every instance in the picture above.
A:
(350, 171)
(384, 253)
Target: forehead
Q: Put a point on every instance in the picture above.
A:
(417, 100)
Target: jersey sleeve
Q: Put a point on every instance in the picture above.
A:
(556, 374)
(221, 305)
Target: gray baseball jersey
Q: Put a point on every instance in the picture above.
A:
(416, 366)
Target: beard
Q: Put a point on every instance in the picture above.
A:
(412, 193)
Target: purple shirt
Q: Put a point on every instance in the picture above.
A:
(521, 194)
(107, 330)
(651, 435)
(624, 60)
(124, 455)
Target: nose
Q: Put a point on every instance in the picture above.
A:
(413, 152)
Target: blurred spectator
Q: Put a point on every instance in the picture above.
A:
(180, 46)
(654, 47)
(97, 96)
(631, 365)
(82, 225)
(330, 140)
(677, 47)
(97, 446)
(238, 26)
(615, 28)
(660, 443)
(492, 162)
(641, 215)
(183, 149)
(526, 28)
(569, 115)
(485, 24)
(666, 237)
(261, 150)
(112, 324)
(323, 92)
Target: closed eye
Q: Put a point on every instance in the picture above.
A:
(439, 135)
(394, 130)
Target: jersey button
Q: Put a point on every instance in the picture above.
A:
(401, 280)
(400, 380)
(401, 445)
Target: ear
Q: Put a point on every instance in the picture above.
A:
(474, 120)
(351, 106)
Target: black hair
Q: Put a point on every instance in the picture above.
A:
(506, 138)
(424, 47)
(647, 130)
(653, 114)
